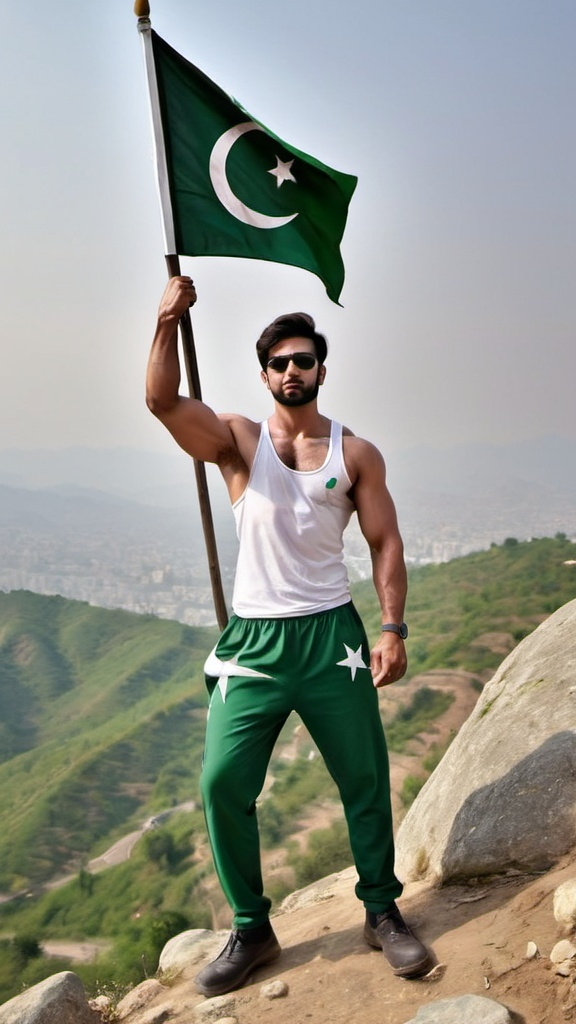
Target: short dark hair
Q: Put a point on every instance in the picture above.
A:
(290, 325)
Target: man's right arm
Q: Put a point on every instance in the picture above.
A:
(196, 428)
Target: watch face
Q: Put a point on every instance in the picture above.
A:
(403, 630)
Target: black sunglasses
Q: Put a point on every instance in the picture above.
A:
(303, 360)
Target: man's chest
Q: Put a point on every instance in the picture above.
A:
(302, 454)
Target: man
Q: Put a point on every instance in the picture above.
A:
(295, 641)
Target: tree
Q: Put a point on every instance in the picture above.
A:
(159, 847)
(26, 947)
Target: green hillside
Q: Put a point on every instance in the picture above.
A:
(103, 716)
(470, 612)
(103, 723)
(103, 711)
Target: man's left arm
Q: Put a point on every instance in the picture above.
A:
(379, 524)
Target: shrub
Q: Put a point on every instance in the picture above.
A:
(426, 705)
(410, 788)
(328, 851)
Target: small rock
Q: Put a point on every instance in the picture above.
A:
(531, 951)
(317, 892)
(464, 1008)
(139, 998)
(59, 999)
(563, 950)
(214, 1009)
(274, 990)
(100, 1003)
(185, 950)
(155, 1015)
(564, 969)
(564, 905)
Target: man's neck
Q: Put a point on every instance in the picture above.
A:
(299, 421)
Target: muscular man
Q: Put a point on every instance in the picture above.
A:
(295, 640)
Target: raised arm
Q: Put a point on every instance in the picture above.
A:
(378, 522)
(196, 428)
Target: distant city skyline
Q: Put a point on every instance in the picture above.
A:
(121, 528)
(459, 307)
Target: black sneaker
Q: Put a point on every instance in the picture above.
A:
(245, 950)
(388, 931)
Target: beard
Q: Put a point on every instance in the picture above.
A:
(303, 396)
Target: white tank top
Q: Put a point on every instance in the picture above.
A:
(290, 524)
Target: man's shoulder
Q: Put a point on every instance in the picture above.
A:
(357, 441)
(241, 426)
(362, 457)
(245, 432)
(360, 445)
(235, 420)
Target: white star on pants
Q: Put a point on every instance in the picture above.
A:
(222, 670)
(353, 660)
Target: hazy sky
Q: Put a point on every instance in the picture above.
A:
(460, 297)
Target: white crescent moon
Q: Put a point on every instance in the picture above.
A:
(229, 201)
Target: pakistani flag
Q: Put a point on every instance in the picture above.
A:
(238, 190)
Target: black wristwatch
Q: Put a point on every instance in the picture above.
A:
(391, 627)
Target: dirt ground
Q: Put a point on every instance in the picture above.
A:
(478, 936)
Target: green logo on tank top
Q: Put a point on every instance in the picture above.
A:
(331, 483)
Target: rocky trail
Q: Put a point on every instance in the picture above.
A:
(479, 936)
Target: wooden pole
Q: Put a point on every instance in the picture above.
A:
(142, 12)
(191, 364)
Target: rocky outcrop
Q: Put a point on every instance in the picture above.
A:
(327, 973)
(59, 999)
(504, 796)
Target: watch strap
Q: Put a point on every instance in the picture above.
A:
(401, 630)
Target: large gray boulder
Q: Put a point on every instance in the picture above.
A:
(504, 795)
(59, 999)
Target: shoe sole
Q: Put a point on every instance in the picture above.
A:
(221, 990)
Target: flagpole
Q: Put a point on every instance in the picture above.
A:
(142, 12)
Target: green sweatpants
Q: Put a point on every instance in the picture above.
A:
(260, 671)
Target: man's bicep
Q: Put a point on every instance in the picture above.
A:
(199, 431)
(374, 504)
(378, 520)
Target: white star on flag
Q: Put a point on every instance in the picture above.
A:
(353, 660)
(282, 171)
(222, 670)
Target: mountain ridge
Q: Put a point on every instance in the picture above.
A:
(122, 528)
(547, 460)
